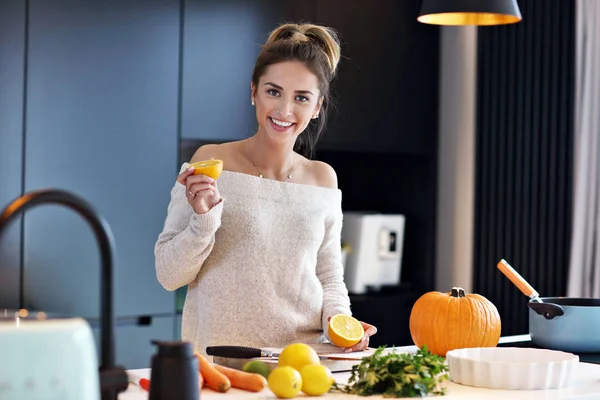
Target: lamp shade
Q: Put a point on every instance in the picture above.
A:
(469, 12)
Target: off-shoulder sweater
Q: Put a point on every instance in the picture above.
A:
(262, 268)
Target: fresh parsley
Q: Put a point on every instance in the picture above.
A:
(398, 375)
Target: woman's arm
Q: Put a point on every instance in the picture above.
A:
(330, 272)
(330, 269)
(185, 241)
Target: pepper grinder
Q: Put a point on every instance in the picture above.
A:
(174, 373)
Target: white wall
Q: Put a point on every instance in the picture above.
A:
(456, 158)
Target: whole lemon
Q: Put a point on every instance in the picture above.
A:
(316, 379)
(297, 355)
(285, 382)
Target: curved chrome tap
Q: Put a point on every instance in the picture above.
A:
(113, 379)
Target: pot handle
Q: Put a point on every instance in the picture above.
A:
(517, 279)
(547, 310)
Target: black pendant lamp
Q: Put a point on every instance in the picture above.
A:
(469, 12)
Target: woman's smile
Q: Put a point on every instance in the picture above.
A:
(280, 125)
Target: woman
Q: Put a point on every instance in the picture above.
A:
(260, 251)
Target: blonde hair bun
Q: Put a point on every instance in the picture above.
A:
(324, 37)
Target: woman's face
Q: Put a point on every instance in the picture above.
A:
(287, 98)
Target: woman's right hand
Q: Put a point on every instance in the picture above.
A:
(201, 190)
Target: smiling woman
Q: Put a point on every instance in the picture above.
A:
(314, 52)
(260, 252)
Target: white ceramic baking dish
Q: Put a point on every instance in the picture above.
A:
(511, 368)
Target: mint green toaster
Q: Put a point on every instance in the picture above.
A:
(47, 359)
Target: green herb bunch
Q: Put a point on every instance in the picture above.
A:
(398, 375)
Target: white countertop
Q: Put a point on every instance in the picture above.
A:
(585, 385)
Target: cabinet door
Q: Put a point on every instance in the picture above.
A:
(133, 340)
(102, 123)
(387, 83)
(12, 52)
(220, 45)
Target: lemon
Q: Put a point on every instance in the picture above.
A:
(212, 168)
(297, 355)
(345, 330)
(257, 367)
(285, 382)
(316, 379)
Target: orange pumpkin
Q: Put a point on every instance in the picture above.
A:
(454, 320)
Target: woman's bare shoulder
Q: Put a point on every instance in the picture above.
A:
(320, 173)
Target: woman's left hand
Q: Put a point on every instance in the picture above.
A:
(370, 330)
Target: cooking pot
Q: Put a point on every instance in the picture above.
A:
(559, 323)
(565, 323)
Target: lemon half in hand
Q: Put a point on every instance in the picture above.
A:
(345, 331)
(212, 168)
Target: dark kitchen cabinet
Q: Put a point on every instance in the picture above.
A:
(102, 97)
(386, 91)
(12, 61)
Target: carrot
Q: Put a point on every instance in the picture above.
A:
(200, 381)
(212, 378)
(243, 380)
(145, 384)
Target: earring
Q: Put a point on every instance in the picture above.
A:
(252, 101)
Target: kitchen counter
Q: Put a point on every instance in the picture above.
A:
(585, 385)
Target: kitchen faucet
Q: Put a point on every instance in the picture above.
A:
(113, 379)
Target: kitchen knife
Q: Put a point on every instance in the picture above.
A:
(254, 352)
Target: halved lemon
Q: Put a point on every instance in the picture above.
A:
(345, 330)
(212, 168)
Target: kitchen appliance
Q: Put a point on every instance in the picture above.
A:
(375, 257)
(47, 358)
(50, 358)
(559, 323)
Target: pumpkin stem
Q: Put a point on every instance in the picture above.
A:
(458, 292)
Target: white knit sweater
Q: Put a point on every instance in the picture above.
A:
(263, 267)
